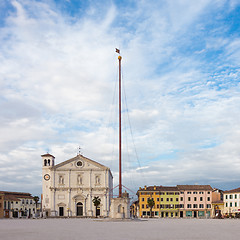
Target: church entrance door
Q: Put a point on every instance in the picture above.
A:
(61, 211)
(79, 209)
(98, 211)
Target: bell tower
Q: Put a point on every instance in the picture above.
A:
(47, 181)
(47, 160)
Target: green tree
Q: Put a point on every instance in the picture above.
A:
(151, 204)
(36, 199)
(96, 202)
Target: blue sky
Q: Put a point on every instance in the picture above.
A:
(58, 74)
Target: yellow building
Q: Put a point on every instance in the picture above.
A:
(166, 201)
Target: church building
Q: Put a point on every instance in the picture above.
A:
(68, 188)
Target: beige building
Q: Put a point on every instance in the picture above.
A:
(68, 188)
(17, 205)
(231, 200)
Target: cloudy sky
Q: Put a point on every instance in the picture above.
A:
(181, 89)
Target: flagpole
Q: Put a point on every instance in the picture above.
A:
(120, 126)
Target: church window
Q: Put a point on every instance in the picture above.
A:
(48, 162)
(45, 162)
(79, 163)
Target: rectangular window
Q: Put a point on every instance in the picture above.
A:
(181, 206)
(26, 201)
(189, 192)
(142, 205)
(161, 199)
(195, 205)
(195, 199)
(23, 201)
(161, 206)
(208, 205)
(226, 204)
(181, 199)
(157, 205)
(30, 201)
(171, 214)
(176, 199)
(144, 213)
(157, 199)
(201, 198)
(201, 213)
(208, 198)
(189, 198)
(201, 206)
(230, 196)
(235, 204)
(176, 214)
(167, 199)
(188, 213)
(235, 196)
(230, 204)
(189, 206)
(143, 199)
(171, 199)
(226, 196)
(176, 205)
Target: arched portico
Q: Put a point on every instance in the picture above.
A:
(80, 205)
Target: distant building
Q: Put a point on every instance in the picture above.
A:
(17, 205)
(134, 209)
(68, 188)
(195, 201)
(231, 200)
(217, 203)
(166, 201)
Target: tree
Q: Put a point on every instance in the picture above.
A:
(96, 202)
(151, 204)
(36, 199)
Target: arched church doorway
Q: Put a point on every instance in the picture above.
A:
(79, 209)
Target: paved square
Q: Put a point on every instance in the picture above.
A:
(64, 229)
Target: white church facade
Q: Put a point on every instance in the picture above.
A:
(68, 188)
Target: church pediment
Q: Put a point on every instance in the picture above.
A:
(61, 204)
(79, 197)
(80, 163)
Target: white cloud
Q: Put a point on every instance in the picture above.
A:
(57, 84)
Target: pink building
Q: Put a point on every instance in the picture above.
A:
(195, 201)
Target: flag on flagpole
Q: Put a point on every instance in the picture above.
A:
(117, 51)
